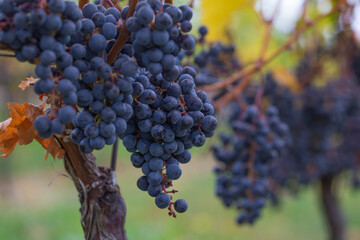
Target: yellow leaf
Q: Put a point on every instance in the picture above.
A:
(217, 15)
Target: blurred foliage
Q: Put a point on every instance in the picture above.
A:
(241, 23)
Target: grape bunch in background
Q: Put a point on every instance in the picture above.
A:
(215, 59)
(145, 96)
(245, 158)
(324, 127)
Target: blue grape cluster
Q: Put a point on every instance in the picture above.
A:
(104, 91)
(40, 34)
(169, 115)
(213, 60)
(245, 157)
(145, 97)
(166, 123)
(158, 36)
(69, 48)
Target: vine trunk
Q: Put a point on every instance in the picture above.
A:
(102, 206)
(332, 212)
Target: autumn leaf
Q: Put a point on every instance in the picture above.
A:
(217, 15)
(23, 116)
(51, 146)
(4, 125)
(29, 81)
(19, 129)
(8, 138)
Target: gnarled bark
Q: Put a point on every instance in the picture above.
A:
(102, 206)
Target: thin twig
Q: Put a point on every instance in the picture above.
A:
(304, 12)
(268, 30)
(123, 36)
(114, 155)
(82, 3)
(257, 66)
(7, 55)
(191, 3)
(110, 3)
(233, 93)
(260, 92)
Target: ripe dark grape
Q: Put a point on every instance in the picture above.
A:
(162, 200)
(181, 205)
(67, 114)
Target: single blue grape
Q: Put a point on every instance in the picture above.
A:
(173, 172)
(156, 164)
(91, 130)
(97, 43)
(42, 124)
(108, 115)
(85, 98)
(107, 129)
(77, 135)
(162, 200)
(89, 10)
(84, 146)
(137, 160)
(97, 143)
(67, 114)
(181, 205)
(154, 190)
(142, 183)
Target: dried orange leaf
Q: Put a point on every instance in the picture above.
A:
(8, 141)
(51, 146)
(23, 116)
(4, 125)
(19, 130)
(27, 82)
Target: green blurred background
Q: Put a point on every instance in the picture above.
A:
(38, 203)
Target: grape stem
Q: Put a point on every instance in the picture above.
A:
(114, 155)
(171, 210)
(169, 1)
(82, 3)
(123, 36)
(260, 92)
(7, 55)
